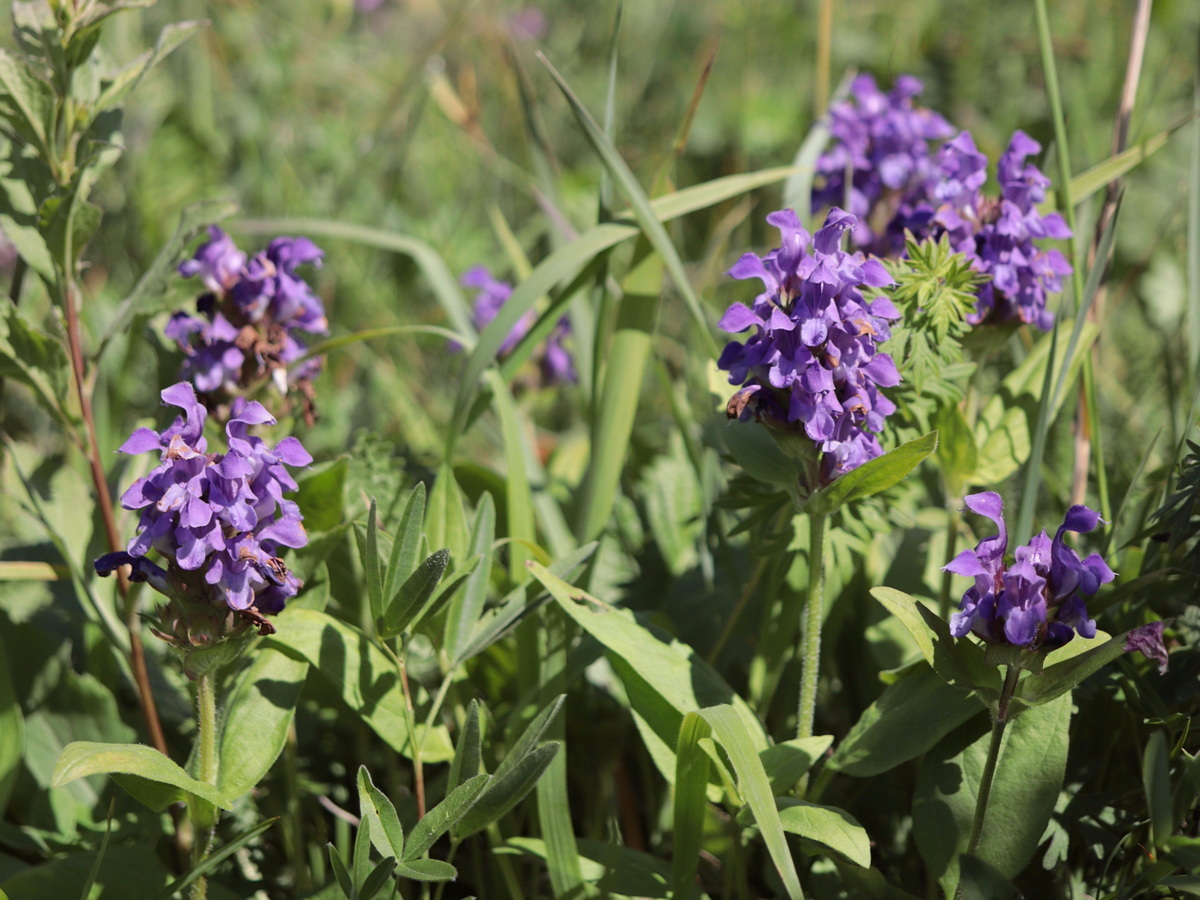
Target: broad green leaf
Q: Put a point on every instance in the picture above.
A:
(874, 475)
(387, 834)
(445, 519)
(908, 718)
(83, 758)
(785, 763)
(321, 495)
(467, 606)
(467, 762)
(505, 790)
(958, 661)
(1029, 775)
(34, 359)
(413, 594)
(758, 454)
(258, 714)
(832, 828)
(616, 870)
(442, 817)
(980, 881)
(128, 873)
(1156, 780)
(210, 864)
(26, 101)
(426, 870)
(730, 729)
(1062, 676)
(665, 679)
(406, 541)
(12, 732)
(363, 675)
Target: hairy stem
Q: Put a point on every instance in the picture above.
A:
(812, 625)
(203, 813)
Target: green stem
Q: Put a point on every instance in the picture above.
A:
(812, 625)
(1012, 673)
(203, 813)
(954, 519)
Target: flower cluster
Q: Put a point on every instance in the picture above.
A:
(1036, 602)
(812, 362)
(219, 520)
(881, 142)
(554, 359)
(998, 234)
(250, 318)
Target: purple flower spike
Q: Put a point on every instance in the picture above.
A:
(812, 364)
(220, 516)
(1036, 602)
(248, 327)
(881, 142)
(554, 359)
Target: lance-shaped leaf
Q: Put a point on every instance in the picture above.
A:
(504, 792)
(387, 834)
(442, 817)
(873, 476)
(413, 594)
(83, 758)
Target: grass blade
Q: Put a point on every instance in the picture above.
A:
(691, 782)
(176, 887)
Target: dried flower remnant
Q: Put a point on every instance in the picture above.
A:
(998, 233)
(554, 360)
(251, 319)
(882, 144)
(812, 366)
(1148, 640)
(1036, 602)
(220, 521)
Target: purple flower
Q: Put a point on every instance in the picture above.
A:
(219, 520)
(1148, 640)
(554, 359)
(248, 325)
(811, 364)
(881, 142)
(998, 234)
(1036, 601)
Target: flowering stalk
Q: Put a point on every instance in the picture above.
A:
(203, 814)
(813, 609)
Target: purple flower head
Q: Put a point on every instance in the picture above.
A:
(248, 327)
(554, 360)
(812, 364)
(881, 143)
(217, 519)
(1035, 602)
(1148, 640)
(998, 234)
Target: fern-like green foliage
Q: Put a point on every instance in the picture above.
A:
(935, 292)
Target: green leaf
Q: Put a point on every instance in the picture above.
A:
(466, 607)
(83, 758)
(785, 763)
(445, 520)
(379, 876)
(1156, 779)
(616, 870)
(215, 859)
(387, 834)
(956, 452)
(665, 679)
(505, 791)
(321, 495)
(691, 784)
(362, 851)
(958, 661)
(532, 735)
(427, 870)
(467, 762)
(1098, 176)
(907, 720)
(834, 829)
(369, 552)
(12, 732)
(1028, 778)
(980, 881)
(127, 78)
(258, 714)
(413, 594)
(26, 101)
(35, 360)
(1062, 676)
(731, 731)
(442, 817)
(406, 542)
(362, 674)
(873, 476)
(345, 882)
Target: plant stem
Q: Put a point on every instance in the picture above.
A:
(411, 721)
(1011, 674)
(812, 625)
(203, 813)
(954, 519)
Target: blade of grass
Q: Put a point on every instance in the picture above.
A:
(520, 497)
(605, 207)
(568, 260)
(691, 782)
(1193, 238)
(642, 210)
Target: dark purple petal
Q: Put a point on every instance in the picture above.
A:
(1148, 640)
